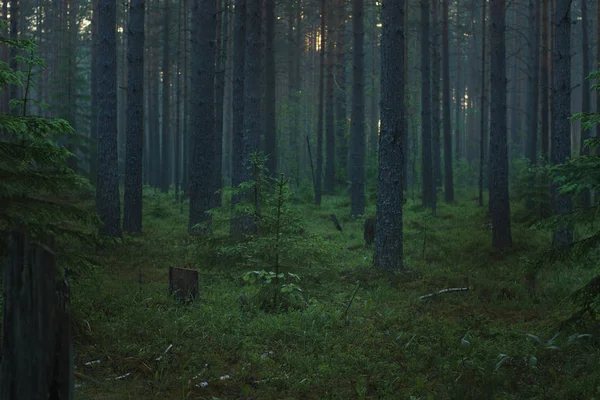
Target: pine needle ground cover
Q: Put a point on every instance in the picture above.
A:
(358, 335)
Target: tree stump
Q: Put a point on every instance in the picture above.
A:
(369, 233)
(183, 283)
(37, 348)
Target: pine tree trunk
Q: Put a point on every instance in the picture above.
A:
(107, 187)
(428, 189)
(219, 97)
(561, 109)
(329, 106)
(357, 134)
(341, 125)
(585, 88)
(202, 112)
(499, 197)
(165, 181)
(237, 141)
(448, 171)
(390, 191)
(321, 105)
(435, 132)
(132, 217)
(270, 101)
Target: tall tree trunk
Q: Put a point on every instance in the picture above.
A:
(186, 101)
(15, 12)
(252, 98)
(237, 141)
(179, 118)
(329, 107)
(533, 82)
(459, 91)
(357, 134)
(321, 104)
(270, 99)
(585, 88)
(561, 109)
(483, 125)
(374, 89)
(428, 199)
(107, 186)
(341, 125)
(132, 217)
(390, 190)
(448, 173)
(219, 96)
(202, 111)
(435, 98)
(499, 197)
(544, 84)
(166, 102)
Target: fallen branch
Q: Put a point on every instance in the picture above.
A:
(458, 289)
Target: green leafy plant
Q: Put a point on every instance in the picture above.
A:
(38, 192)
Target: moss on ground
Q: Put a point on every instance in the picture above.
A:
(493, 341)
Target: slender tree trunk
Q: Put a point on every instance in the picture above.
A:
(483, 125)
(585, 89)
(533, 83)
(499, 197)
(561, 109)
(435, 132)
(357, 135)
(202, 110)
(390, 191)
(429, 198)
(321, 104)
(107, 186)
(252, 98)
(270, 98)
(329, 106)
(341, 125)
(132, 217)
(237, 142)
(166, 102)
(374, 89)
(544, 84)
(13, 90)
(448, 173)
(219, 96)
(179, 118)
(459, 93)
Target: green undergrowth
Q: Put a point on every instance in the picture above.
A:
(360, 334)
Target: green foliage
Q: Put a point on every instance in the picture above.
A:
(388, 345)
(38, 193)
(530, 184)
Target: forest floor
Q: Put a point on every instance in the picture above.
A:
(497, 340)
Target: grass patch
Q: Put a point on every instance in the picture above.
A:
(385, 344)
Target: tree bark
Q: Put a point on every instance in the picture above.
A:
(329, 106)
(561, 109)
(321, 104)
(428, 189)
(270, 99)
(499, 197)
(357, 134)
(585, 88)
(448, 170)
(237, 141)
(390, 191)
(166, 102)
(107, 186)
(132, 217)
(202, 112)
